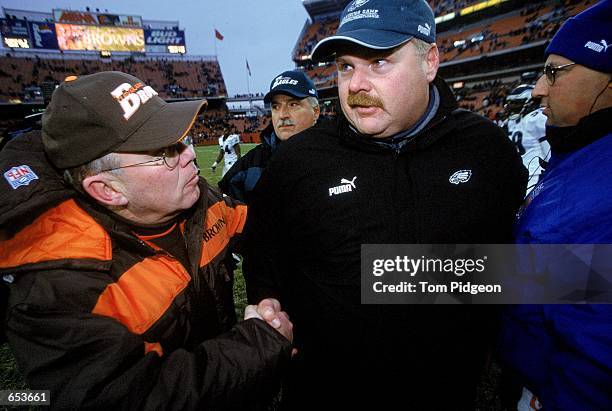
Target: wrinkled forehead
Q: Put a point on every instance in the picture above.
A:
(347, 50)
(283, 98)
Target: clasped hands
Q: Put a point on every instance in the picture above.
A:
(269, 310)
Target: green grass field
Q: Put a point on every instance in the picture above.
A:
(10, 378)
(208, 154)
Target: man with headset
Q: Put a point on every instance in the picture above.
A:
(561, 353)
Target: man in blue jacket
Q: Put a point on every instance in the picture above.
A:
(562, 354)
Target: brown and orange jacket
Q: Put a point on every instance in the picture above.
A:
(103, 318)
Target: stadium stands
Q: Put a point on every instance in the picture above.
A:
(29, 74)
(534, 23)
(470, 48)
(19, 75)
(506, 28)
(322, 28)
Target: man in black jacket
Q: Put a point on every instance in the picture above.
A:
(402, 165)
(294, 104)
(119, 297)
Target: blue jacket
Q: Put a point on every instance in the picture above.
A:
(563, 353)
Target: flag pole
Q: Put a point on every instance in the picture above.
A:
(248, 74)
(247, 78)
(216, 45)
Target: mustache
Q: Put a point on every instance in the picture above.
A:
(285, 122)
(364, 100)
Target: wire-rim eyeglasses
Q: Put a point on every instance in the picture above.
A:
(551, 71)
(170, 156)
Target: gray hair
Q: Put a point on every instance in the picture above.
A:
(421, 47)
(314, 102)
(75, 176)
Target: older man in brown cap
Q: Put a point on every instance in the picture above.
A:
(119, 296)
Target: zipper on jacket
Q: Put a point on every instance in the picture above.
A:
(396, 170)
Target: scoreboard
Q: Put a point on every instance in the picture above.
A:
(89, 31)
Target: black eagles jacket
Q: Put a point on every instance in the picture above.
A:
(327, 191)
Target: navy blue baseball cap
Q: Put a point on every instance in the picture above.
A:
(381, 25)
(294, 83)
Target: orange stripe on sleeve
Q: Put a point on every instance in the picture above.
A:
(239, 214)
(65, 231)
(222, 223)
(143, 293)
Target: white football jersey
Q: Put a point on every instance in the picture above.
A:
(227, 145)
(528, 133)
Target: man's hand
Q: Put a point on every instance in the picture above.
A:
(269, 310)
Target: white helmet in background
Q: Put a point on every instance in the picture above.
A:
(520, 101)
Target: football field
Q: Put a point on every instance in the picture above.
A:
(208, 154)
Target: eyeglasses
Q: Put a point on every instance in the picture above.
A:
(169, 156)
(551, 71)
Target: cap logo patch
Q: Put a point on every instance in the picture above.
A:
(283, 80)
(360, 14)
(20, 176)
(131, 97)
(356, 4)
(425, 30)
(597, 47)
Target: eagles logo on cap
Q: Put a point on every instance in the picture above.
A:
(356, 4)
(294, 83)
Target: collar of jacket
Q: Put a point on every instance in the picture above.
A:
(122, 234)
(589, 129)
(397, 141)
(427, 136)
(122, 231)
(269, 139)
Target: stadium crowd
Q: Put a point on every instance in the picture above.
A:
(529, 24)
(21, 76)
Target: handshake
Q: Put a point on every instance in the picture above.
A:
(269, 310)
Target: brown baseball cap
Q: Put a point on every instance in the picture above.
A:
(93, 115)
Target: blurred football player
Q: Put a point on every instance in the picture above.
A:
(527, 130)
(229, 152)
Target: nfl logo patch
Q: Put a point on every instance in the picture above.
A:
(20, 176)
